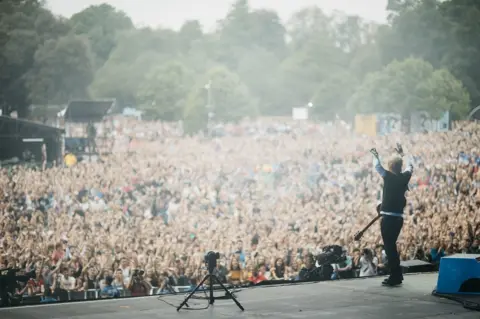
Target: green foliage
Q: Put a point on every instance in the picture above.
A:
(24, 27)
(101, 24)
(332, 96)
(229, 100)
(260, 73)
(422, 59)
(136, 53)
(444, 33)
(162, 93)
(62, 70)
(408, 86)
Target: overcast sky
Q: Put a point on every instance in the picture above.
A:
(172, 13)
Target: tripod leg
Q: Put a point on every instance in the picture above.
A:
(191, 294)
(228, 292)
(172, 291)
(211, 300)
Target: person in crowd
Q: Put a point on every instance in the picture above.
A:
(235, 274)
(221, 271)
(436, 253)
(258, 276)
(308, 271)
(118, 281)
(368, 263)
(152, 279)
(382, 260)
(109, 291)
(279, 271)
(138, 286)
(345, 269)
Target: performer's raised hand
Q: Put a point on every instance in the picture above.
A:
(374, 152)
(399, 150)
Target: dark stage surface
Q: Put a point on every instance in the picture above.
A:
(361, 298)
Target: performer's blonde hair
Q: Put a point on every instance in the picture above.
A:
(395, 165)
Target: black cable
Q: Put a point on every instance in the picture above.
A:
(188, 308)
(173, 292)
(471, 305)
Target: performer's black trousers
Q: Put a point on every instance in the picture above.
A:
(390, 228)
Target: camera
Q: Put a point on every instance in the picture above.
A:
(211, 260)
(332, 254)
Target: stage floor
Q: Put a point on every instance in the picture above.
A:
(358, 299)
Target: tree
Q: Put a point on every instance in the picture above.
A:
(121, 79)
(399, 6)
(24, 25)
(267, 32)
(444, 33)
(448, 94)
(229, 100)
(101, 24)
(324, 60)
(135, 54)
(308, 24)
(332, 96)
(62, 69)
(259, 71)
(302, 72)
(365, 60)
(408, 86)
(163, 91)
(349, 32)
(244, 30)
(190, 32)
(461, 58)
(417, 29)
(133, 44)
(314, 57)
(234, 29)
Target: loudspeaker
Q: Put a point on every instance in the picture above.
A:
(412, 266)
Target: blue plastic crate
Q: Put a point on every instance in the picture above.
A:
(459, 274)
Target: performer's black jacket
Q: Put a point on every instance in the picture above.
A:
(394, 188)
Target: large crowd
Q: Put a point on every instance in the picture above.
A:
(266, 195)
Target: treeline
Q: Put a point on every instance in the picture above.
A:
(425, 58)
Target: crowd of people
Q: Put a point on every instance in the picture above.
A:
(266, 196)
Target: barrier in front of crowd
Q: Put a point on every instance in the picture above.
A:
(93, 294)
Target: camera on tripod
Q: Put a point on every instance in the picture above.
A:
(323, 262)
(332, 254)
(211, 260)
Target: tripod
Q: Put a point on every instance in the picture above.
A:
(211, 299)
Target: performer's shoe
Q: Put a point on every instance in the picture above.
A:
(392, 282)
(393, 278)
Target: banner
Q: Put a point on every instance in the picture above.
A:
(386, 123)
(366, 124)
(300, 113)
(389, 123)
(421, 122)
